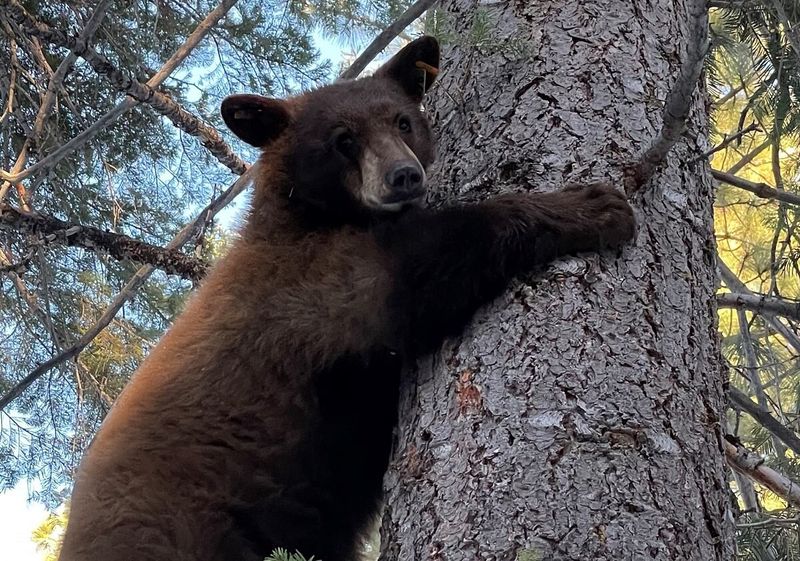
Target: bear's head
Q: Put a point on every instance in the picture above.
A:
(353, 148)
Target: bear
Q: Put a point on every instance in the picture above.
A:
(264, 416)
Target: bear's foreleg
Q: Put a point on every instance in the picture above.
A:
(450, 262)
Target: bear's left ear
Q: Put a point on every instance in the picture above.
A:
(415, 67)
(255, 119)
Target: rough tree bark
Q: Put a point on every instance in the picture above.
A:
(579, 417)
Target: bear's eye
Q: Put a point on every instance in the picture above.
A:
(346, 143)
(404, 124)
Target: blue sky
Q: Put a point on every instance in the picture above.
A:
(18, 519)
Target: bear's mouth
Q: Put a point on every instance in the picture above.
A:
(394, 203)
(412, 198)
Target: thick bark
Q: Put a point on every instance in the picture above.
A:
(579, 416)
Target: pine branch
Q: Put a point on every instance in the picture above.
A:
(739, 400)
(679, 100)
(788, 31)
(761, 190)
(772, 521)
(58, 334)
(751, 366)
(144, 93)
(54, 85)
(49, 230)
(752, 465)
(760, 303)
(385, 37)
(128, 291)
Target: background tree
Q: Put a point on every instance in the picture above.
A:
(753, 74)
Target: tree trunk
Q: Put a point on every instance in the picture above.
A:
(579, 417)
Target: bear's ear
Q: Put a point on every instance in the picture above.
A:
(415, 67)
(255, 119)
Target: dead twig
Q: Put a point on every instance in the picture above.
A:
(386, 36)
(753, 127)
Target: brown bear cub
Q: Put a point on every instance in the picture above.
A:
(263, 418)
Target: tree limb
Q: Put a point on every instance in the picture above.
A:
(752, 465)
(676, 108)
(760, 303)
(162, 104)
(728, 139)
(739, 400)
(735, 285)
(49, 229)
(761, 190)
(128, 291)
(750, 156)
(386, 36)
(57, 333)
(773, 521)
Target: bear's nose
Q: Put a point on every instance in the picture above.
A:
(405, 178)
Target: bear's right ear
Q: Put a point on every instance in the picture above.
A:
(255, 119)
(415, 67)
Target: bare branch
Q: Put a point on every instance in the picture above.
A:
(753, 127)
(128, 291)
(750, 156)
(728, 96)
(12, 80)
(57, 79)
(760, 303)
(752, 465)
(751, 367)
(139, 92)
(735, 285)
(49, 229)
(761, 190)
(676, 108)
(386, 36)
(772, 521)
(740, 401)
(58, 334)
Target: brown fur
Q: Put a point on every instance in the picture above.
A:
(279, 307)
(263, 418)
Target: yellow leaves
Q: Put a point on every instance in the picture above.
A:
(48, 535)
